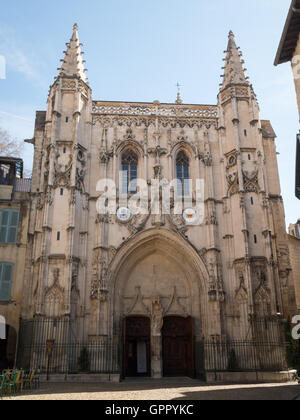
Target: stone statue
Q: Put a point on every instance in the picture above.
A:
(157, 319)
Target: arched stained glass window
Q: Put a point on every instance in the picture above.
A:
(129, 169)
(183, 173)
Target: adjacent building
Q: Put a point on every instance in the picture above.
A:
(294, 230)
(294, 246)
(14, 216)
(289, 50)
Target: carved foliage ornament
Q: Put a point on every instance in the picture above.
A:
(121, 121)
(226, 95)
(251, 182)
(178, 222)
(55, 293)
(138, 222)
(69, 84)
(231, 161)
(43, 198)
(80, 175)
(233, 183)
(207, 159)
(129, 135)
(216, 285)
(241, 293)
(158, 310)
(99, 288)
(81, 157)
(262, 295)
(105, 155)
(242, 91)
(63, 174)
(211, 218)
(104, 218)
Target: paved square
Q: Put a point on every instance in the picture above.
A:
(166, 389)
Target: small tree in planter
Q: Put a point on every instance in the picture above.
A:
(292, 348)
(84, 361)
(233, 364)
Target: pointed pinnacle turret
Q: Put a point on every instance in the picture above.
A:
(73, 63)
(234, 72)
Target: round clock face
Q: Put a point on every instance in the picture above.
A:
(190, 216)
(124, 214)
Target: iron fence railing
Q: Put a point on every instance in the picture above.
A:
(244, 356)
(102, 357)
(266, 352)
(65, 349)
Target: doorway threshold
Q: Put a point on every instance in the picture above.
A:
(164, 380)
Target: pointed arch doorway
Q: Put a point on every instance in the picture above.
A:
(178, 346)
(158, 266)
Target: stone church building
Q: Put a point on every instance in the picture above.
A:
(155, 285)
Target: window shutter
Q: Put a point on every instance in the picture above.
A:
(1, 271)
(4, 219)
(13, 227)
(298, 168)
(6, 271)
(9, 222)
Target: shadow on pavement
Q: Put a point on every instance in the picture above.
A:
(273, 393)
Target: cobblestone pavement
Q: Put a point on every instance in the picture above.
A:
(174, 389)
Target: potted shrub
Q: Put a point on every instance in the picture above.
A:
(233, 364)
(84, 361)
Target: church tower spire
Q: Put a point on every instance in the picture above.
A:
(73, 63)
(234, 72)
(64, 175)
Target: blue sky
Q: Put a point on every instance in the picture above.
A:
(138, 51)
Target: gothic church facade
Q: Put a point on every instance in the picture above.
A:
(153, 283)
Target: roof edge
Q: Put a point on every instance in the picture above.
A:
(284, 34)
